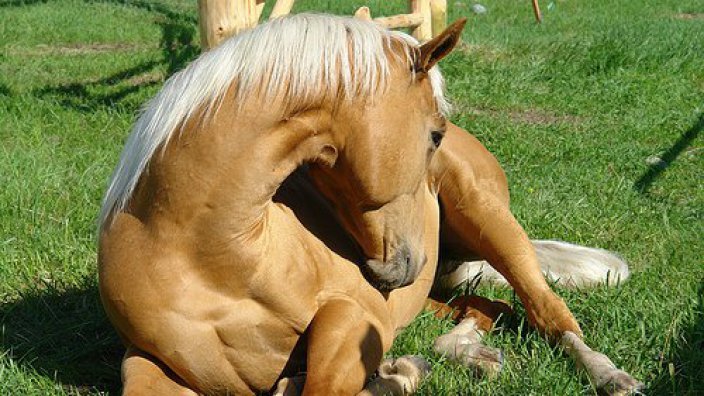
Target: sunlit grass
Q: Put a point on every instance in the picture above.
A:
(576, 109)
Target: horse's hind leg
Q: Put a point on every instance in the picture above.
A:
(477, 221)
(142, 374)
(603, 373)
(475, 316)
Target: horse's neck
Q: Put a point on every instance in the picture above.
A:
(223, 173)
(315, 213)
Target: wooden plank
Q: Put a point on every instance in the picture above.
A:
(400, 21)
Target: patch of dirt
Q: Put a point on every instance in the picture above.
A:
(146, 78)
(79, 49)
(529, 116)
(690, 15)
(133, 81)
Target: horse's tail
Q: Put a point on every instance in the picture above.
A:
(563, 263)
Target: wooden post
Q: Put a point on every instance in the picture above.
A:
(281, 8)
(219, 19)
(536, 11)
(422, 32)
(438, 10)
(363, 13)
(260, 8)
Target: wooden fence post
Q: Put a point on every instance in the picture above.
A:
(260, 8)
(363, 13)
(422, 32)
(219, 19)
(281, 8)
(438, 10)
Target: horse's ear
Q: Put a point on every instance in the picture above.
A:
(437, 48)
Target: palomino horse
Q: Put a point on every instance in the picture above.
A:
(276, 210)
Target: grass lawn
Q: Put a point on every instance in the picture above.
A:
(596, 115)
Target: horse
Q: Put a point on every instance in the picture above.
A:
(279, 211)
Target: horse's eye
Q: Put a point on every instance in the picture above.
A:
(436, 137)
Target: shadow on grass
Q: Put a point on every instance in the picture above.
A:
(177, 45)
(91, 96)
(63, 335)
(648, 178)
(178, 31)
(683, 371)
(5, 90)
(20, 3)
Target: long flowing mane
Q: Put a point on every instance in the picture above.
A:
(302, 58)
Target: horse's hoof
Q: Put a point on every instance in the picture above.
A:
(620, 383)
(485, 360)
(401, 376)
(418, 362)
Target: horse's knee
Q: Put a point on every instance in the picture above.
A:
(550, 315)
(143, 374)
(345, 346)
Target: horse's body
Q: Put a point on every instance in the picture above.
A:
(227, 264)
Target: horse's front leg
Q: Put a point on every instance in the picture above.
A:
(394, 377)
(477, 220)
(143, 374)
(345, 347)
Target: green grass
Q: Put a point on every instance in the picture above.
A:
(572, 108)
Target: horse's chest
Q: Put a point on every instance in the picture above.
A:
(257, 342)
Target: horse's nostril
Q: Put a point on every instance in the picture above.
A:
(408, 260)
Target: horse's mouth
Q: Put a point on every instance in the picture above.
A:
(401, 270)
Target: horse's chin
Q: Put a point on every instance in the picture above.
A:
(384, 285)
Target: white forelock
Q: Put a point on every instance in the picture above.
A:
(301, 58)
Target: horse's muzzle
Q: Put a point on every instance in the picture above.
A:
(400, 270)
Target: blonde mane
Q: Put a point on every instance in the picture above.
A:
(303, 58)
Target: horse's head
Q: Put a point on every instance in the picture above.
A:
(378, 183)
